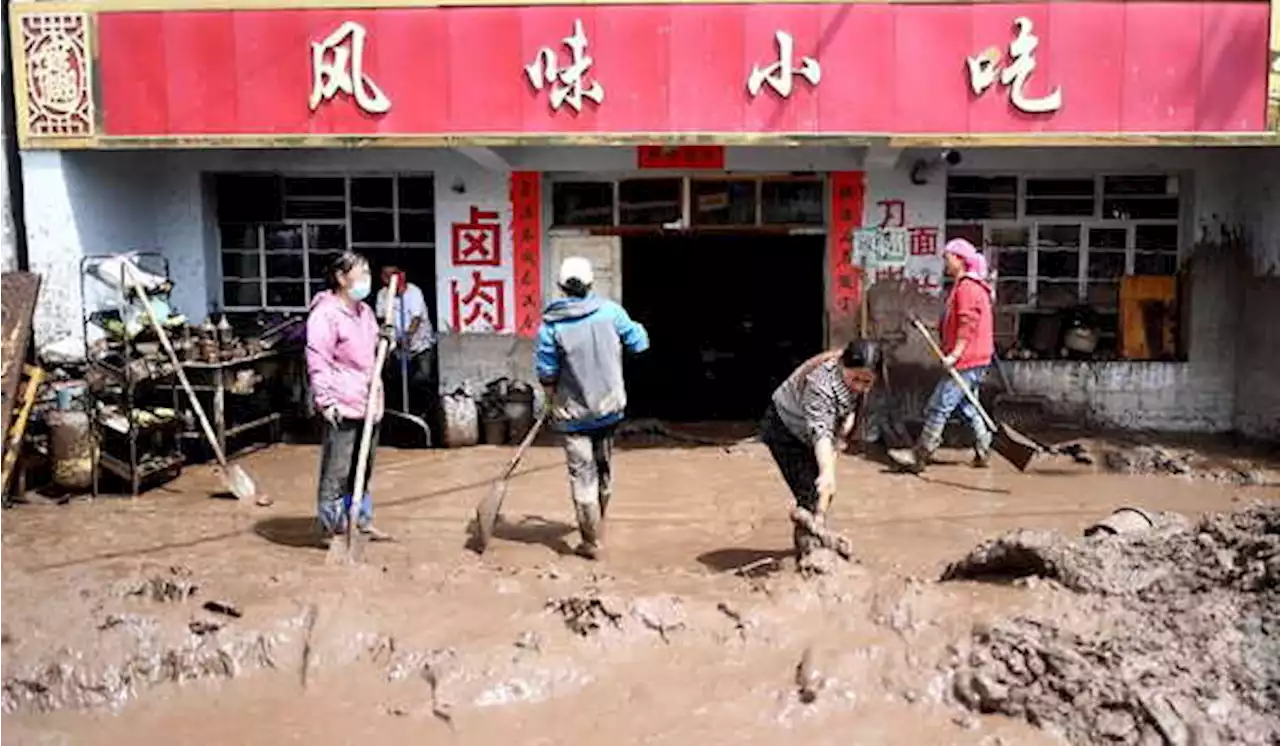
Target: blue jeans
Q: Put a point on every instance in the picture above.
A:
(946, 398)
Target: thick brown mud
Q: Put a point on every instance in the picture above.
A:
(194, 619)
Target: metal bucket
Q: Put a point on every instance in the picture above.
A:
(1123, 521)
(495, 429)
(518, 409)
(71, 449)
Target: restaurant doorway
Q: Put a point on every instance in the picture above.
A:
(729, 316)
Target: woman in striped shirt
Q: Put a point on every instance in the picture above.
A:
(816, 403)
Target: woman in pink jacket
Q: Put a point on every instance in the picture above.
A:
(968, 341)
(342, 340)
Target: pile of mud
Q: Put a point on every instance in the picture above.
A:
(1176, 640)
(1189, 463)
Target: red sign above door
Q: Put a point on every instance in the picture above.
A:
(829, 69)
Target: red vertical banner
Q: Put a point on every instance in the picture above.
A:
(526, 231)
(848, 191)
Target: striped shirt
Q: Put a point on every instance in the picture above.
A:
(814, 400)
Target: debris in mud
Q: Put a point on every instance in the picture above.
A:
(529, 640)
(171, 586)
(1147, 460)
(662, 614)
(222, 607)
(588, 613)
(817, 531)
(809, 680)
(203, 626)
(1178, 641)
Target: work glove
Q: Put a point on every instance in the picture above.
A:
(949, 361)
(826, 488)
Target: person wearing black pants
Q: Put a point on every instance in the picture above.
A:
(815, 405)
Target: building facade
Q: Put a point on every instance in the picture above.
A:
(754, 181)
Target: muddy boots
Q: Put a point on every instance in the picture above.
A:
(591, 526)
(924, 449)
(982, 449)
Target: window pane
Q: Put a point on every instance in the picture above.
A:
(981, 208)
(238, 235)
(372, 192)
(286, 294)
(1108, 238)
(1059, 264)
(283, 237)
(240, 264)
(1057, 294)
(317, 287)
(982, 185)
(724, 203)
(241, 293)
(1104, 294)
(1140, 208)
(1060, 188)
(1106, 264)
(281, 265)
(1155, 264)
(417, 227)
(1160, 185)
(1156, 238)
(327, 237)
(313, 186)
(582, 203)
(319, 263)
(373, 227)
(1011, 262)
(1058, 236)
(1016, 236)
(295, 209)
(1011, 292)
(649, 201)
(791, 202)
(417, 193)
(247, 199)
(1050, 206)
(971, 232)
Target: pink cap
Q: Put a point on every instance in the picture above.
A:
(974, 262)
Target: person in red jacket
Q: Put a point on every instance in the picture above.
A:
(968, 341)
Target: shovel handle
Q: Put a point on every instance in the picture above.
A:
(524, 444)
(955, 375)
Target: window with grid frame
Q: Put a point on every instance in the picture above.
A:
(277, 234)
(1056, 242)
(707, 201)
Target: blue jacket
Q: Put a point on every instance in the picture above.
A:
(579, 351)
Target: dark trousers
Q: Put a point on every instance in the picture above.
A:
(338, 457)
(794, 458)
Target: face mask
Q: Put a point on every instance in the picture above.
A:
(360, 290)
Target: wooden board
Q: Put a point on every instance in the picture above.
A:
(1148, 317)
(18, 293)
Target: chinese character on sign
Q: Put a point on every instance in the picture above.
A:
(480, 309)
(337, 66)
(983, 70)
(780, 74)
(895, 213)
(478, 242)
(875, 248)
(567, 84)
(923, 241)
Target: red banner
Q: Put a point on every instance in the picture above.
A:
(1104, 67)
(526, 212)
(848, 191)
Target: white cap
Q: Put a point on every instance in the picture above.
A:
(576, 268)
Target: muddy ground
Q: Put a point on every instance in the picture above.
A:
(195, 619)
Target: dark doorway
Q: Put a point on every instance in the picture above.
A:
(730, 316)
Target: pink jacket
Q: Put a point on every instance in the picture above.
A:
(968, 316)
(342, 344)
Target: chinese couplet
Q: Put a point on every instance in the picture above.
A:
(848, 191)
(526, 231)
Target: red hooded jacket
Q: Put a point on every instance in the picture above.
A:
(968, 316)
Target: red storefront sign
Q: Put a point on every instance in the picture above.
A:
(830, 69)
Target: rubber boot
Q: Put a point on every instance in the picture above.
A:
(589, 526)
(924, 450)
(982, 454)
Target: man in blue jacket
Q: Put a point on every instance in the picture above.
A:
(578, 358)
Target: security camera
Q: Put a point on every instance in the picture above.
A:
(922, 168)
(952, 157)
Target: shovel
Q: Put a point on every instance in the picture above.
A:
(1015, 447)
(234, 478)
(354, 542)
(489, 508)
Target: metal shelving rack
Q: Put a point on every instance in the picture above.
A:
(142, 452)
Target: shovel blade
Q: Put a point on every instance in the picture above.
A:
(1014, 447)
(238, 482)
(487, 515)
